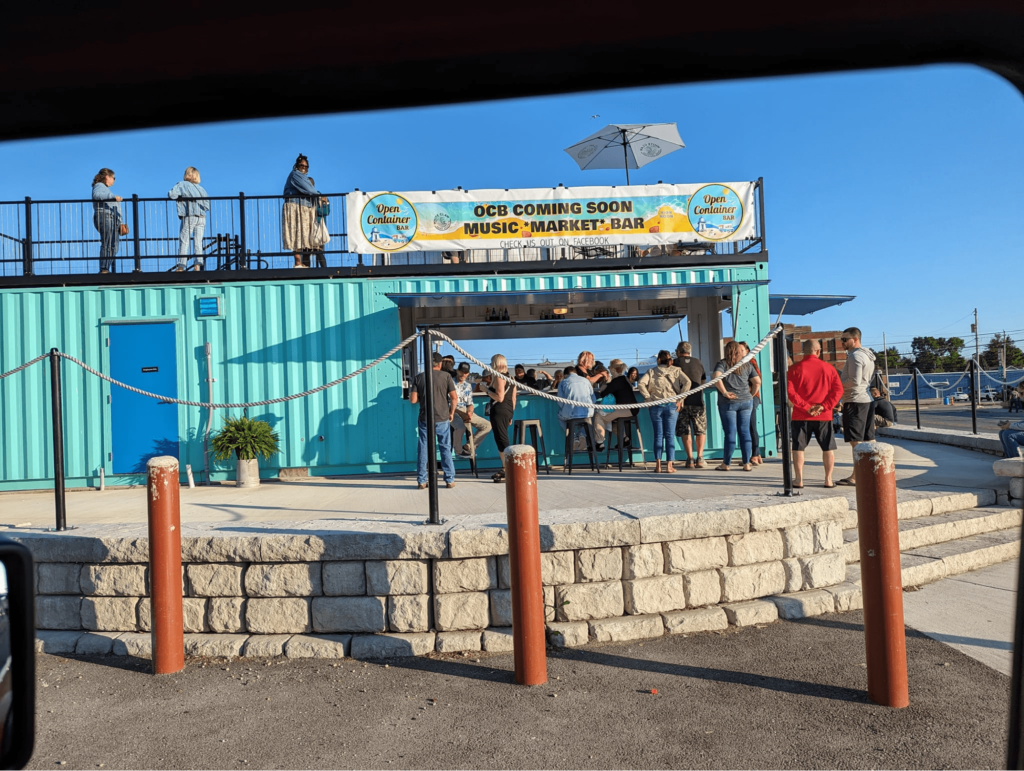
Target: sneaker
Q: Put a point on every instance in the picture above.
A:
(449, 485)
(600, 446)
(422, 486)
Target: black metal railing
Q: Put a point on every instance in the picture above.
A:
(52, 238)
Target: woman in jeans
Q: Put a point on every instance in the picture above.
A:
(663, 382)
(192, 207)
(735, 403)
(503, 405)
(755, 440)
(106, 217)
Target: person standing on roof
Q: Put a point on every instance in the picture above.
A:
(106, 217)
(814, 390)
(858, 407)
(193, 204)
(298, 215)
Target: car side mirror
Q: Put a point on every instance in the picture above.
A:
(17, 655)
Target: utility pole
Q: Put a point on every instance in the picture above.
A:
(885, 348)
(977, 356)
(638, 358)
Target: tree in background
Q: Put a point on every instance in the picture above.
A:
(991, 357)
(895, 359)
(938, 354)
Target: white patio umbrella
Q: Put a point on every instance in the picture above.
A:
(626, 145)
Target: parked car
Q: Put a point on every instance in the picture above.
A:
(962, 397)
(991, 395)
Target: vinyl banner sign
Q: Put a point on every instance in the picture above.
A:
(546, 217)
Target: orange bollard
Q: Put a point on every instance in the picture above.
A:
(531, 664)
(881, 581)
(165, 565)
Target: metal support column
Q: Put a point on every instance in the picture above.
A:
(428, 411)
(58, 440)
(26, 256)
(243, 261)
(760, 204)
(782, 359)
(135, 234)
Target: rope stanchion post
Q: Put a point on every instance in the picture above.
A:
(428, 411)
(524, 565)
(878, 528)
(917, 397)
(782, 365)
(974, 399)
(57, 415)
(165, 564)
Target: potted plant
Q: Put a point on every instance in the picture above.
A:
(247, 440)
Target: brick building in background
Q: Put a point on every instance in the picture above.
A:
(832, 349)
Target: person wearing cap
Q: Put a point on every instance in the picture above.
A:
(692, 414)
(466, 418)
(446, 398)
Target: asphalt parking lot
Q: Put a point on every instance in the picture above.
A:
(787, 695)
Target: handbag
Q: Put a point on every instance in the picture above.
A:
(321, 235)
(124, 229)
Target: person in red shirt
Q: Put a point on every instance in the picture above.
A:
(814, 389)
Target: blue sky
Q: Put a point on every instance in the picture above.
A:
(900, 186)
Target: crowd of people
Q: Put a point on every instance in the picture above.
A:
(819, 396)
(303, 217)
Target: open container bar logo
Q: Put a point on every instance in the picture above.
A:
(715, 211)
(389, 222)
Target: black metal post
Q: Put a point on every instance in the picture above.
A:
(135, 234)
(26, 257)
(917, 399)
(428, 409)
(782, 359)
(760, 204)
(243, 263)
(58, 439)
(974, 399)
(625, 155)
(1014, 745)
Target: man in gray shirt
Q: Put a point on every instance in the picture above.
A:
(858, 419)
(692, 415)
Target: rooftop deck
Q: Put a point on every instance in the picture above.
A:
(52, 243)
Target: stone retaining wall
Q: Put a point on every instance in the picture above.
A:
(608, 574)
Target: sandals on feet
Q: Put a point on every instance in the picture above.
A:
(700, 463)
(846, 483)
(723, 467)
(748, 467)
(689, 463)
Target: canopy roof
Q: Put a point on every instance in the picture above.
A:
(804, 304)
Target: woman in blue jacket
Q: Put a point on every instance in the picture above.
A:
(106, 217)
(192, 207)
(298, 215)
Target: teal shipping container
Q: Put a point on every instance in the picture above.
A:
(274, 338)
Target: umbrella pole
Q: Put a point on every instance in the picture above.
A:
(625, 156)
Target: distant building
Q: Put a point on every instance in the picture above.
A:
(832, 349)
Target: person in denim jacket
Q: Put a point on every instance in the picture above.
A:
(192, 207)
(106, 217)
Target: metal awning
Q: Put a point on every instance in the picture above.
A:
(568, 297)
(804, 304)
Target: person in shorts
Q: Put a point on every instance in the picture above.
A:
(858, 406)
(814, 390)
(693, 417)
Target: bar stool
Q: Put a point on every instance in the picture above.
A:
(623, 429)
(536, 440)
(570, 432)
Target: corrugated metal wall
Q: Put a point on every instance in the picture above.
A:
(274, 339)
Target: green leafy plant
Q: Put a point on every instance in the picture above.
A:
(246, 439)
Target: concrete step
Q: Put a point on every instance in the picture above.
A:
(912, 503)
(932, 563)
(940, 528)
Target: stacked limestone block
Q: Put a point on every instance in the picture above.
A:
(622, 573)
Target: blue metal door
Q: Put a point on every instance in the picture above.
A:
(142, 355)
